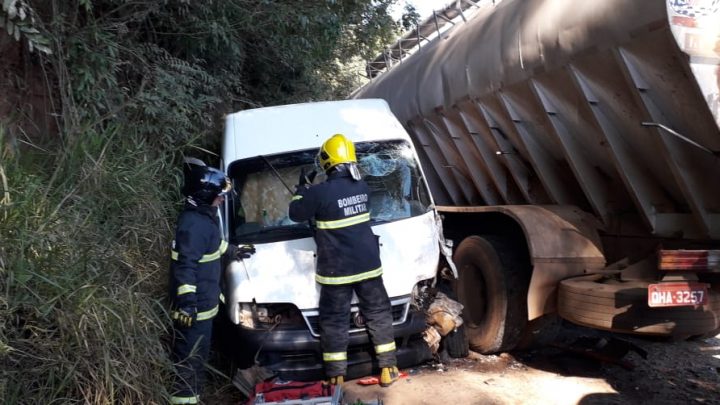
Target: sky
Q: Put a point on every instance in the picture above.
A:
(423, 7)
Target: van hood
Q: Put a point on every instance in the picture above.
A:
(284, 272)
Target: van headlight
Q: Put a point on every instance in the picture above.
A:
(265, 316)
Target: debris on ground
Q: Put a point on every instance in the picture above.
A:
(246, 379)
(432, 338)
(442, 317)
(606, 350)
(372, 380)
(444, 314)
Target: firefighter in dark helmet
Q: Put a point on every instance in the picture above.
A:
(195, 276)
(348, 259)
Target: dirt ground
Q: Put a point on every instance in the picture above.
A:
(673, 373)
(571, 371)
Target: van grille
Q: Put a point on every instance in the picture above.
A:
(400, 308)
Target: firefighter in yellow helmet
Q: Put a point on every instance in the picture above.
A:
(348, 259)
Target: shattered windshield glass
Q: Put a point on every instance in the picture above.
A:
(262, 185)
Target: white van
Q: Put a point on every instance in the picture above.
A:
(272, 297)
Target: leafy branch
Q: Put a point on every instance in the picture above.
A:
(17, 17)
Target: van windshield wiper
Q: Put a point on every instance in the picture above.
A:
(267, 162)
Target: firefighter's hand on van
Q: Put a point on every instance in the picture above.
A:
(306, 179)
(184, 317)
(243, 252)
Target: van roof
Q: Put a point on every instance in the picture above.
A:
(287, 128)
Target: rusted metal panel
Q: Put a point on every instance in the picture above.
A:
(562, 242)
(610, 105)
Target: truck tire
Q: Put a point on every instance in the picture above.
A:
(455, 343)
(605, 303)
(493, 283)
(709, 335)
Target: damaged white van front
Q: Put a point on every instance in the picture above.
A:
(272, 297)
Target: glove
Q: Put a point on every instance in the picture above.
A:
(184, 317)
(243, 252)
(304, 179)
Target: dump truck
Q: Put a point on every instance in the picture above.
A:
(573, 151)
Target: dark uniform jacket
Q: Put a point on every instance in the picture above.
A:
(347, 249)
(196, 265)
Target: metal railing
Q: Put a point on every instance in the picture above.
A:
(425, 32)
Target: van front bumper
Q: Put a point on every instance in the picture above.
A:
(295, 354)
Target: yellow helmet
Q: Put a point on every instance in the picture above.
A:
(336, 150)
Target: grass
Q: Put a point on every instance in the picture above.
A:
(84, 236)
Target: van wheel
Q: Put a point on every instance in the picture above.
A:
(492, 286)
(455, 343)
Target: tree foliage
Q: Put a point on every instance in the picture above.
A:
(18, 20)
(410, 17)
(206, 58)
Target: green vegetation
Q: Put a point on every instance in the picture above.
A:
(87, 207)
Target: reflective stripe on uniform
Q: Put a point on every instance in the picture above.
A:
(186, 288)
(342, 223)
(296, 197)
(184, 400)
(337, 356)
(208, 257)
(349, 279)
(205, 315)
(384, 348)
(222, 298)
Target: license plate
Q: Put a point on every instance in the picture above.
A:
(677, 294)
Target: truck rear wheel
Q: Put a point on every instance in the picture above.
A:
(602, 302)
(492, 286)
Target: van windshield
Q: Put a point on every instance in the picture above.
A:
(259, 206)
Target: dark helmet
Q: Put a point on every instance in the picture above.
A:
(203, 184)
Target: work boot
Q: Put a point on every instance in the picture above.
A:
(389, 375)
(337, 380)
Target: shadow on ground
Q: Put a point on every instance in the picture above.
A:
(641, 370)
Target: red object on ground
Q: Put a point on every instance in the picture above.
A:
(276, 390)
(376, 380)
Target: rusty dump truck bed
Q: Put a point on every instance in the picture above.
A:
(611, 106)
